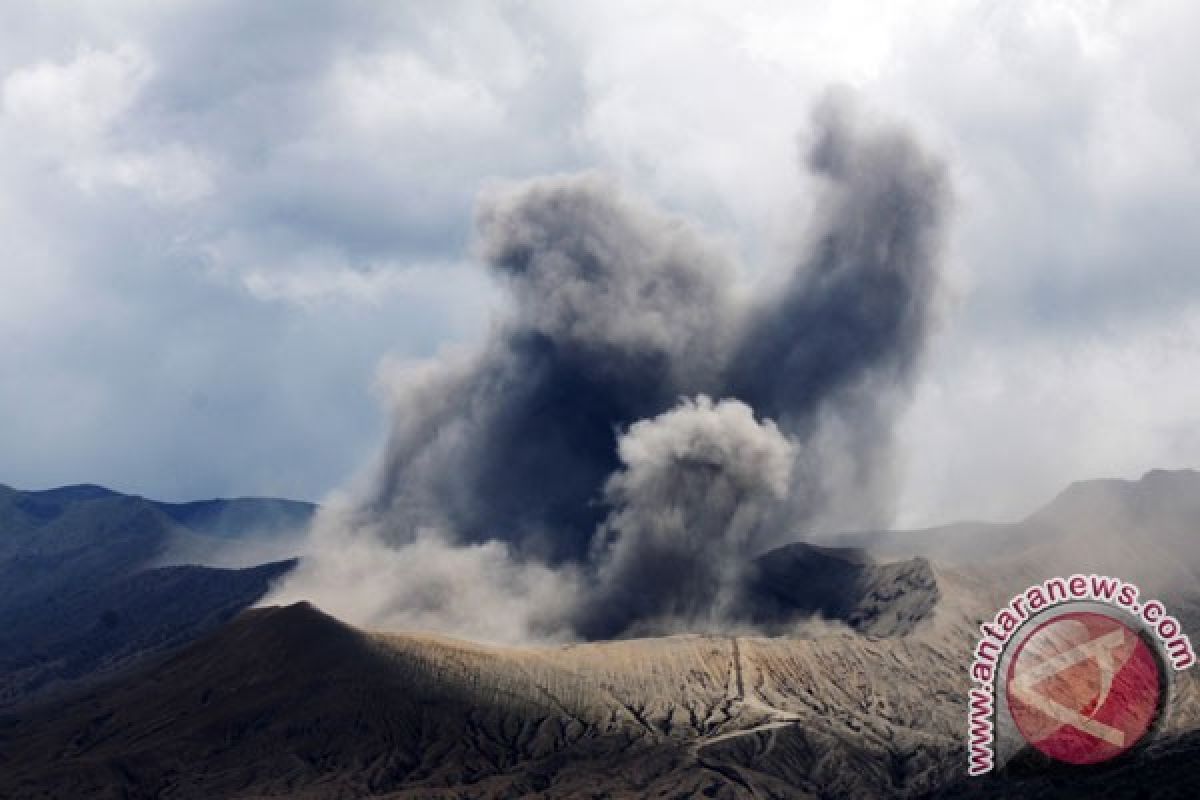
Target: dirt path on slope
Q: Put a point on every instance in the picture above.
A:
(736, 692)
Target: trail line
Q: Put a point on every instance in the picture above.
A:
(736, 689)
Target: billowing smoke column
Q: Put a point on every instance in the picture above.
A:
(632, 434)
(842, 339)
(619, 311)
(692, 499)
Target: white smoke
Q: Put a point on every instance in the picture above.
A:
(477, 591)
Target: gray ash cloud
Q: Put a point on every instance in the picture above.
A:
(630, 422)
(693, 500)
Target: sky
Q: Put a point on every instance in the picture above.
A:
(220, 219)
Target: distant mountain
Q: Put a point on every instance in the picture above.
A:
(291, 702)
(83, 591)
(221, 517)
(240, 517)
(90, 631)
(1146, 531)
(1160, 510)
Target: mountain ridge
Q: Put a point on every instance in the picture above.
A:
(293, 702)
(83, 590)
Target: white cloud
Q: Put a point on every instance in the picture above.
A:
(169, 175)
(382, 94)
(70, 105)
(69, 116)
(315, 284)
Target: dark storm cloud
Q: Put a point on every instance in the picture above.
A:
(566, 439)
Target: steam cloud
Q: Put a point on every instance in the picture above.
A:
(632, 434)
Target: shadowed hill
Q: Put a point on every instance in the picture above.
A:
(287, 701)
(83, 591)
(290, 702)
(91, 630)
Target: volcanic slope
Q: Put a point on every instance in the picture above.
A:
(291, 702)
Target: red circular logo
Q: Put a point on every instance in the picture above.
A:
(1084, 687)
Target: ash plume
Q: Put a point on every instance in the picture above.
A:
(619, 310)
(696, 490)
(837, 344)
(632, 433)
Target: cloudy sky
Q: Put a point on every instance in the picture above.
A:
(219, 218)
